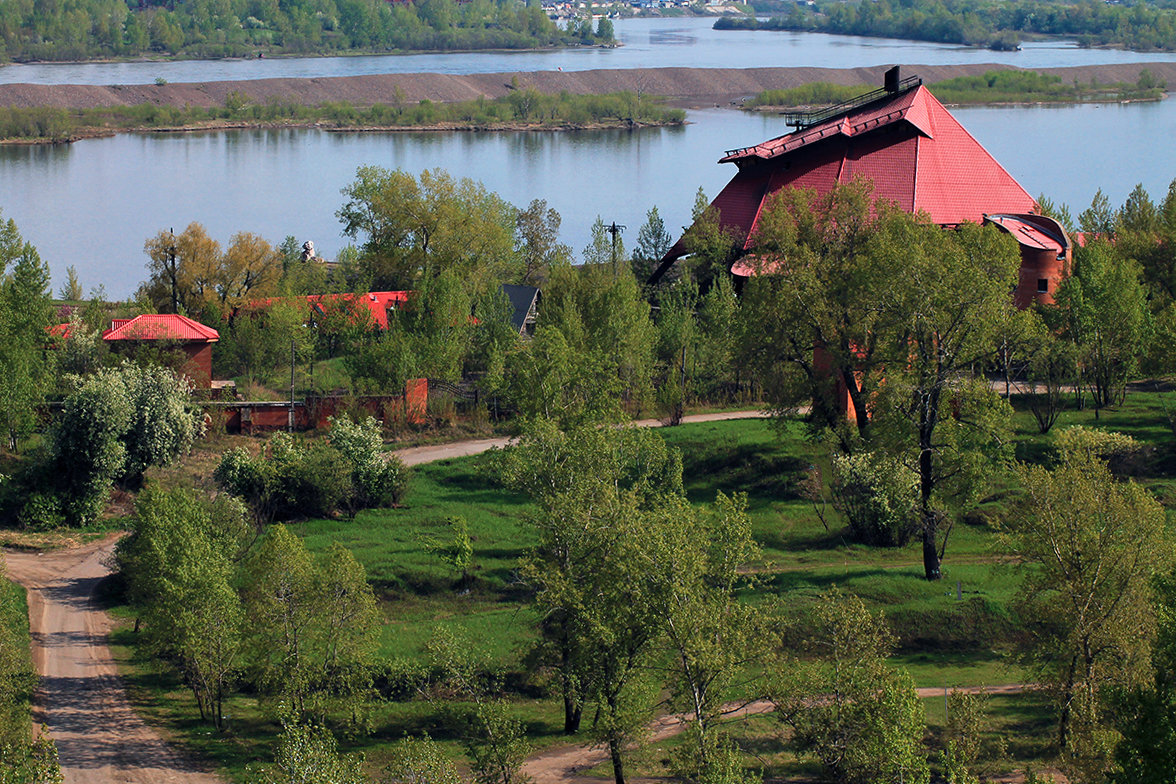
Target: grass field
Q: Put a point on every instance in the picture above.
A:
(956, 632)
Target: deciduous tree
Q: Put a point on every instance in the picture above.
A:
(1095, 543)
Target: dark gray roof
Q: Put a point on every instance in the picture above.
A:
(521, 298)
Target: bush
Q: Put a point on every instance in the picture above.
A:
(293, 478)
(876, 495)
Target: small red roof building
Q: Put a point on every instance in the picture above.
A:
(161, 326)
(915, 153)
(191, 337)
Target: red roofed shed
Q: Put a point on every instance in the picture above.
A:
(192, 337)
(916, 154)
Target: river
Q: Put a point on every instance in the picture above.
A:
(648, 43)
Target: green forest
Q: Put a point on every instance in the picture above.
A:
(816, 597)
(1140, 26)
(89, 29)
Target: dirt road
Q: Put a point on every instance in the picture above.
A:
(415, 455)
(100, 739)
(566, 764)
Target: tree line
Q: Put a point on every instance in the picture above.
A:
(87, 29)
(1136, 26)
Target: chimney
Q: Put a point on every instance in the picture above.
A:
(891, 80)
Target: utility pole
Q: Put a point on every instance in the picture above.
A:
(290, 422)
(614, 230)
(172, 272)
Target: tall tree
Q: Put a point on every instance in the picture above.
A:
(1095, 543)
(653, 242)
(821, 312)
(1102, 310)
(537, 243)
(412, 230)
(948, 425)
(25, 366)
(577, 478)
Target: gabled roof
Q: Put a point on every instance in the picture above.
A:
(160, 326)
(911, 147)
(522, 299)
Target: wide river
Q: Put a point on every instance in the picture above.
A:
(92, 204)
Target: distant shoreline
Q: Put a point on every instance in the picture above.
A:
(687, 88)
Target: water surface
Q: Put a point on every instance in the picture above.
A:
(648, 43)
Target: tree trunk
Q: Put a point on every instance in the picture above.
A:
(930, 553)
(573, 712)
(614, 751)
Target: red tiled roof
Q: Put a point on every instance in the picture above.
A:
(910, 146)
(62, 331)
(378, 303)
(160, 326)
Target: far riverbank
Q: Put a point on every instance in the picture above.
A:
(688, 88)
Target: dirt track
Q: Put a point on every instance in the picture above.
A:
(427, 454)
(100, 739)
(567, 764)
(686, 86)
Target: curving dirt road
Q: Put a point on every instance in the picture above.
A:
(415, 455)
(567, 764)
(100, 739)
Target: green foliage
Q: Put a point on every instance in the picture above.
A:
(603, 354)
(313, 624)
(877, 496)
(377, 478)
(991, 24)
(94, 29)
(1095, 544)
(307, 752)
(419, 761)
(846, 706)
(117, 424)
(1146, 715)
(813, 93)
(293, 478)
(413, 231)
(1102, 310)
(178, 570)
(962, 743)
(26, 373)
(458, 550)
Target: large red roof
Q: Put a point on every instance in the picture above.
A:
(908, 144)
(160, 326)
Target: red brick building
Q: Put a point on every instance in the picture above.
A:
(916, 154)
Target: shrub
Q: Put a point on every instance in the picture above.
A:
(294, 478)
(876, 495)
(378, 479)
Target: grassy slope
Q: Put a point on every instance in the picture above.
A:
(944, 641)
